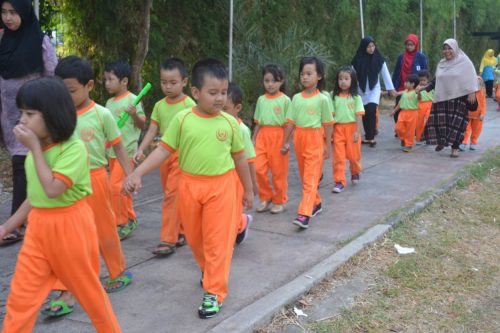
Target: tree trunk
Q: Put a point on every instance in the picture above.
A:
(141, 49)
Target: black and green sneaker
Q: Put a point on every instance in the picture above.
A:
(210, 306)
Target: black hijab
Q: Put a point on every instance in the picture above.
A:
(367, 66)
(21, 50)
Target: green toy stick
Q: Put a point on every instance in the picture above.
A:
(124, 115)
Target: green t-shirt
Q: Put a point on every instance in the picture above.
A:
(426, 96)
(247, 140)
(310, 111)
(271, 110)
(408, 101)
(130, 133)
(205, 143)
(69, 163)
(346, 108)
(97, 128)
(165, 110)
(497, 71)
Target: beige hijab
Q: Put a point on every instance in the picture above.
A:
(455, 77)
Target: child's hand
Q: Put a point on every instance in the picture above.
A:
(392, 113)
(139, 156)
(284, 150)
(26, 136)
(132, 184)
(248, 199)
(327, 151)
(255, 189)
(356, 136)
(131, 110)
(481, 118)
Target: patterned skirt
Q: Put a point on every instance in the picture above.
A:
(447, 122)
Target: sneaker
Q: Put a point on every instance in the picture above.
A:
(355, 179)
(472, 147)
(242, 236)
(302, 221)
(419, 143)
(462, 147)
(263, 206)
(209, 307)
(123, 231)
(277, 208)
(316, 210)
(338, 188)
(407, 149)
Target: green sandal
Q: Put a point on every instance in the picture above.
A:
(124, 280)
(164, 249)
(63, 310)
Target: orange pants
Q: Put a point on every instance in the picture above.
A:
(344, 147)
(309, 149)
(405, 127)
(424, 110)
(122, 204)
(376, 118)
(497, 93)
(474, 129)
(268, 158)
(170, 221)
(60, 243)
(208, 209)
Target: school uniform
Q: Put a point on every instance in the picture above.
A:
(407, 120)
(424, 110)
(475, 125)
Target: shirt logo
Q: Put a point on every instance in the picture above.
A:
(310, 110)
(277, 110)
(87, 134)
(221, 134)
(350, 106)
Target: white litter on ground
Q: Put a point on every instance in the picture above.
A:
(404, 250)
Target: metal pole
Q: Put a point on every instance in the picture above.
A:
(231, 40)
(36, 6)
(454, 20)
(361, 18)
(421, 26)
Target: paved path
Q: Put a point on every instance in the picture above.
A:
(166, 293)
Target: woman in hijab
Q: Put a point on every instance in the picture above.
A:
(487, 69)
(411, 61)
(369, 64)
(455, 85)
(25, 54)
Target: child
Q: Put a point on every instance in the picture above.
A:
(348, 111)
(61, 239)
(407, 120)
(210, 150)
(497, 86)
(424, 105)
(173, 78)
(270, 118)
(310, 113)
(96, 127)
(117, 77)
(234, 105)
(476, 117)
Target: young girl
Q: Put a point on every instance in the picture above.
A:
(61, 239)
(270, 118)
(424, 105)
(348, 111)
(476, 117)
(407, 120)
(310, 113)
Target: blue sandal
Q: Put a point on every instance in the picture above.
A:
(123, 281)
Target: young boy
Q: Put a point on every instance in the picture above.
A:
(210, 152)
(117, 77)
(234, 105)
(424, 105)
(173, 78)
(96, 127)
(407, 120)
(476, 117)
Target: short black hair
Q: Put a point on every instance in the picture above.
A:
(353, 89)
(413, 78)
(50, 96)
(121, 69)
(207, 67)
(320, 69)
(73, 67)
(278, 74)
(234, 93)
(175, 63)
(424, 73)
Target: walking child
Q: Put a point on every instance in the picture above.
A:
(117, 78)
(173, 79)
(424, 105)
(310, 120)
(210, 150)
(407, 120)
(270, 118)
(61, 240)
(476, 118)
(497, 86)
(348, 111)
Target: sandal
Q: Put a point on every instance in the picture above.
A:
(63, 309)
(164, 249)
(454, 153)
(14, 237)
(123, 281)
(181, 241)
(373, 144)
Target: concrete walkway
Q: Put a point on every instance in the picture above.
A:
(166, 293)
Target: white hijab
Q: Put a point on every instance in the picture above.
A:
(455, 77)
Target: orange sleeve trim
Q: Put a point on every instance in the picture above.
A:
(238, 152)
(360, 113)
(329, 123)
(65, 179)
(154, 122)
(289, 121)
(114, 142)
(167, 147)
(251, 160)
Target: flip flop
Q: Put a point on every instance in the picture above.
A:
(64, 309)
(124, 280)
(14, 237)
(164, 249)
(181, 241)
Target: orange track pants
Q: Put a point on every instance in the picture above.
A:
(424, 110)
(170, 174)
(60, 243)
(344, 148)
(497, 93)
(474, 129)
(208, 209)
(268, 158)
(309, 149)
(122, 205)
(406, 125)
